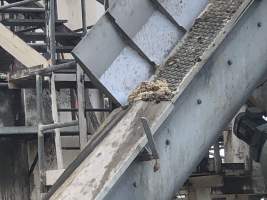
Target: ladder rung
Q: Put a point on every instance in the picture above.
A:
(28, 22)
(42, 48)
(71, 148)
(32, 131)
(86, 110)
(23, 10)
(34, 36)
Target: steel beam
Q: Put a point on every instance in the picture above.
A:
(31, 131)
(23, 10)
(190, 124)
(30, 72)
(47, 127)
(19, 3)
(81, 107)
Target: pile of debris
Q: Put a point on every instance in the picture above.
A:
(156, 90)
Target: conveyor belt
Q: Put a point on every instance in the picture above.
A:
(198, 40)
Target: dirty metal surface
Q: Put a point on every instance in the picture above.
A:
(109, 171)
(199, 40)
(115, 66)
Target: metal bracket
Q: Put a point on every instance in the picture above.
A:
(168, 15)
(128, 40)
(151, 143)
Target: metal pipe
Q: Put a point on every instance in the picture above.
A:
(51, 27)
(20, 3)
(54, 68)
(84, 26)
(32, 131)
(86, 110)
(22, 10)
(58, 125)
(46, 71)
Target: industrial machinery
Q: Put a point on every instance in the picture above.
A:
(251, 128)
(173, 74)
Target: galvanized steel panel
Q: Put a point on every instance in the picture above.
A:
(116, 67)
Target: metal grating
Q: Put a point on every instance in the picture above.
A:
(198, 40)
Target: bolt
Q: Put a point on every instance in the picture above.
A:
(167, 142)
(229, 62)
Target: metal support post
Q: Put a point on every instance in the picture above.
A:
(81, 107)
(56, 120)
(48, 127)
(84, 23)
(40, 136)
(80, 89)
(51, 31)
(52, 51)
(151, 143)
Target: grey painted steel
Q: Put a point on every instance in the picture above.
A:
(28, 72)
(192, 128)
(222, 90)
(81, 108)
(52, 50)
(23, 10)
(84, 26)
(116, 67)
(20, 3)
(58, 125)
(263, 161)
(149, 135)
(40, 136)
(32, 131)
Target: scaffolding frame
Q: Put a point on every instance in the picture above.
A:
(50, 13)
